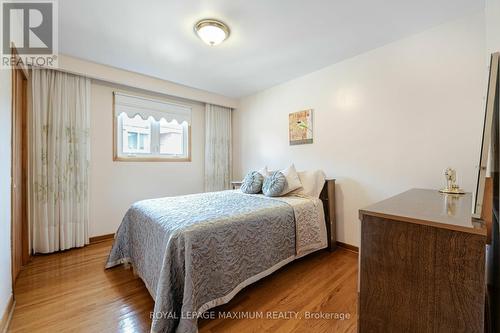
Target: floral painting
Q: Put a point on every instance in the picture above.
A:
(300, 127)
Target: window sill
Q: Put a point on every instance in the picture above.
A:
(151, 159)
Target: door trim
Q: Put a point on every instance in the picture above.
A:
(24, 227)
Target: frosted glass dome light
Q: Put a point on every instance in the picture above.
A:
(211, 31)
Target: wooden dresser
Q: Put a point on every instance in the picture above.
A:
(422, 263)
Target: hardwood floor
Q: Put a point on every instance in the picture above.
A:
(71, 292)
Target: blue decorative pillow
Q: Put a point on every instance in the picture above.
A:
(252, 183)
(274, 184)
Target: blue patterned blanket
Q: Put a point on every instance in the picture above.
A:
(197, 251)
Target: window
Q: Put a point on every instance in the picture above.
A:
(136, 135)
(171, 135)
(147, 129)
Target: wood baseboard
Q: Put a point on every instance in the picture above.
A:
(7, 314)
(348, 247)
(98, 239)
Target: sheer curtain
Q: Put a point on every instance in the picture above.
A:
(217, 148)
(59, 160)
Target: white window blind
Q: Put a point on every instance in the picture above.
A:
(146, 107)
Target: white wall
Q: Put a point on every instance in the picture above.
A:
(493, 26)
(385, 121)
(136, 80)
(114, 186)
(5, 169)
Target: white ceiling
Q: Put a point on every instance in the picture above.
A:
(271, 41)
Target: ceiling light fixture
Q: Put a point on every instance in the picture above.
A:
(212, 32)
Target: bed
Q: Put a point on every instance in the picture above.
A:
(198, 251)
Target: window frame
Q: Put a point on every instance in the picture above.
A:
(146, 157)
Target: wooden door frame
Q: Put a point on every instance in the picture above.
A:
(25, 250)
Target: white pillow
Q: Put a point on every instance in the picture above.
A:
(312, 183)
(292, 180)
(264, 172)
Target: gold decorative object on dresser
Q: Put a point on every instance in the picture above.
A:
(451, 182)
(422, 264)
